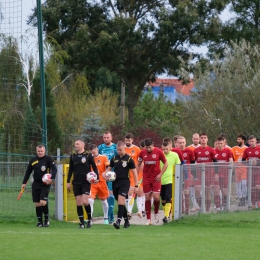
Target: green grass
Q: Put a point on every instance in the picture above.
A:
(219, 236)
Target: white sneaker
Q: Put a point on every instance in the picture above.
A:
(139, 214)
(148, 223)
(156, 216)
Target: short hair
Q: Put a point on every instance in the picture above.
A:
(148, 142)
(120, 144)
(258, 140)
(250, 137)
(40, 146)
(223, 135)
(92, 147)
(107, 132)
(175, 138)
(165, 144)
(129, 135)
(141, 144)
(167, 140)
(220, 138)
(203, 134)
(181, 137)
(243, 137)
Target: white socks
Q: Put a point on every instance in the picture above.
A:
(105, 208)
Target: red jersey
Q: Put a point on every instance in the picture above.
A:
(204, 155)
(151, 163)
(188, 155)
(178, 151)
(223, 155)
(251, 153)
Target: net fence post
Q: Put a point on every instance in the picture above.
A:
(249, 184)
(176, 195)
(59, 193)
(230, 169)
(203, 188)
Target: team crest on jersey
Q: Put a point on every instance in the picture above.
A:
(83, 159)
(133, 151)
(207, 153)
(184, 155)
(43, 168)
(223, 154)
(154, 155)
(257, 152)
(124, 164)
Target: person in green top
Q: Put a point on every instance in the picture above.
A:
(166, 188)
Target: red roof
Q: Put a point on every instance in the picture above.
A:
(182, 89)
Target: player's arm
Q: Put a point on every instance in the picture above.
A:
(53, 168)
(159, 176)
(109, 168)
(27, 174)
(93, 164)
(70, 172)
(139, 163)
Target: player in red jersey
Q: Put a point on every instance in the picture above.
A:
(206, 154)
(223, 155)
(195, 141)
(152, 174)
(189, 158)
(252, 153)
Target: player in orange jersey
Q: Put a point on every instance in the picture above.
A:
(100, 188)
(195, 142)
(133, 151)
(241, 172)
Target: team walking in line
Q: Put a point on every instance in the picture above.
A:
(147, 173)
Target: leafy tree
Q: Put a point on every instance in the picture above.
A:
(227, 95)
(157, 114)
(136, 40)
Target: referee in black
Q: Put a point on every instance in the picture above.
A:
(80, 163)
(122, 163)
(40, 165)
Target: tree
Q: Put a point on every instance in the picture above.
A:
(226, 99)
(137, 40)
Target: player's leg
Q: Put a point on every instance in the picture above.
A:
(103, 194)
(168, 205)
(130, 206)
(139, 202)
(93, 193)
(216, 189)
(111, 203)
(239, 185)
(36, 199)
(163, 195)
(85, 200)
(77, 190)
(156, 188)
(44, 203)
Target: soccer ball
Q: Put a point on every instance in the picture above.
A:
(111, 175)
(91, 177)
(46, 177)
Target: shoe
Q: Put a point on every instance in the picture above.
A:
(116, 225)
(106, 221)
(81, 225)
(89, 224)
(143, 214)
(148, 223)
(111, 220)
(39, 225)
(129, 215)
(166, 220)
(46, 223)
(126, 225)
(156, 216)
(139, 214)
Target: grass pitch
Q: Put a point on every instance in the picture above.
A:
(222, 236)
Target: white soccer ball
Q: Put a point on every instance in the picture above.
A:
(91, 177)
(46, 177)
(111, 175)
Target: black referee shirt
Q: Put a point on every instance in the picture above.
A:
(122, 166)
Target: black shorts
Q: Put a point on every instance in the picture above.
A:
(81, 188)
(121, 187)
(40, 191)
(166, 192)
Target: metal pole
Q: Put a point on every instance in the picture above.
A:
(202, 209)
(122, 107)
(41, 59)
(230, 169)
